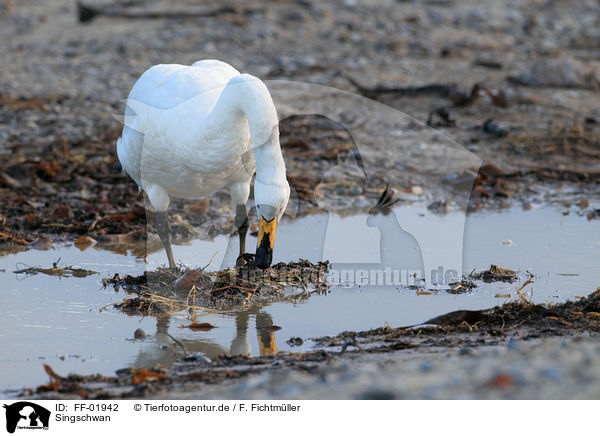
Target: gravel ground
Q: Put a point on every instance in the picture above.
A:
(552, 368)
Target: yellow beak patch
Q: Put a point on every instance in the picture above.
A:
(268, 229)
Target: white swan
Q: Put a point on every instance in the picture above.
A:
(192, 130)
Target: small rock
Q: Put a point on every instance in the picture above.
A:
(295, 342)
(513, 344)
(490, 127)
(553, 373)
(377, 394)
(426, 366)
(197, 357)
(439, 206)
(61, 213)
(416, 190)
(139, 334)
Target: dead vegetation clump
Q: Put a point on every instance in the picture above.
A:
(55, 270)
(577, 142)
(583, 314)
(495, 274)
(141, 382)
(563, 153)
(462, 286)
(478, 327)
(74, 187)
(176, 290)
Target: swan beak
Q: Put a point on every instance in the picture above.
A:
(266, 241)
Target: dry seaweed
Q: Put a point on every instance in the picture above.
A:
(462, 286)
(76, 190)
(457, 317)
(534, 320)
(176, 290)
(55, 270)
(495, 274)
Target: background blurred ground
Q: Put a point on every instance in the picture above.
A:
(533, 61)
(535, 64)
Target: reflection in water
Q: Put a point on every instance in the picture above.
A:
(264, 330)
(164, 347)
(398, 249)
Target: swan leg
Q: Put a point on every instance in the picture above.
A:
(162, 226)
(241, 222)
(239, 196)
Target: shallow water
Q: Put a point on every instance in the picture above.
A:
(58, 321)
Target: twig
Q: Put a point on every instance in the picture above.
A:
(185, 351)
(209, 262)
(516, 325)
(529, 280)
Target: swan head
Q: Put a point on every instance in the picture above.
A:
(271, 201)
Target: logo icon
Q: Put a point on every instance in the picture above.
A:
(26, 415)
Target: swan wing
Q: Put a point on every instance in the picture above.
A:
(164, 109)
(166, 86)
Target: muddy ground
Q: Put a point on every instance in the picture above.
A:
(515, 84)
(526, 66)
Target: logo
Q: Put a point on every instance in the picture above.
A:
(26, 415)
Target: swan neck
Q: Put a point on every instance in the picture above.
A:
(247, 96)
(270, 167)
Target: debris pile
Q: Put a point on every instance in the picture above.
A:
(496, 274)
(176, 290)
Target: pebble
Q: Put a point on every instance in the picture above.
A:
(513, 344)
(426, 365)
(378, 394)
(295, 342)
(198, 357)
(553, 373)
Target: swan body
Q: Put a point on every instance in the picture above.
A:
(193, 130)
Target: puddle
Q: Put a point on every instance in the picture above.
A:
(57, 320)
